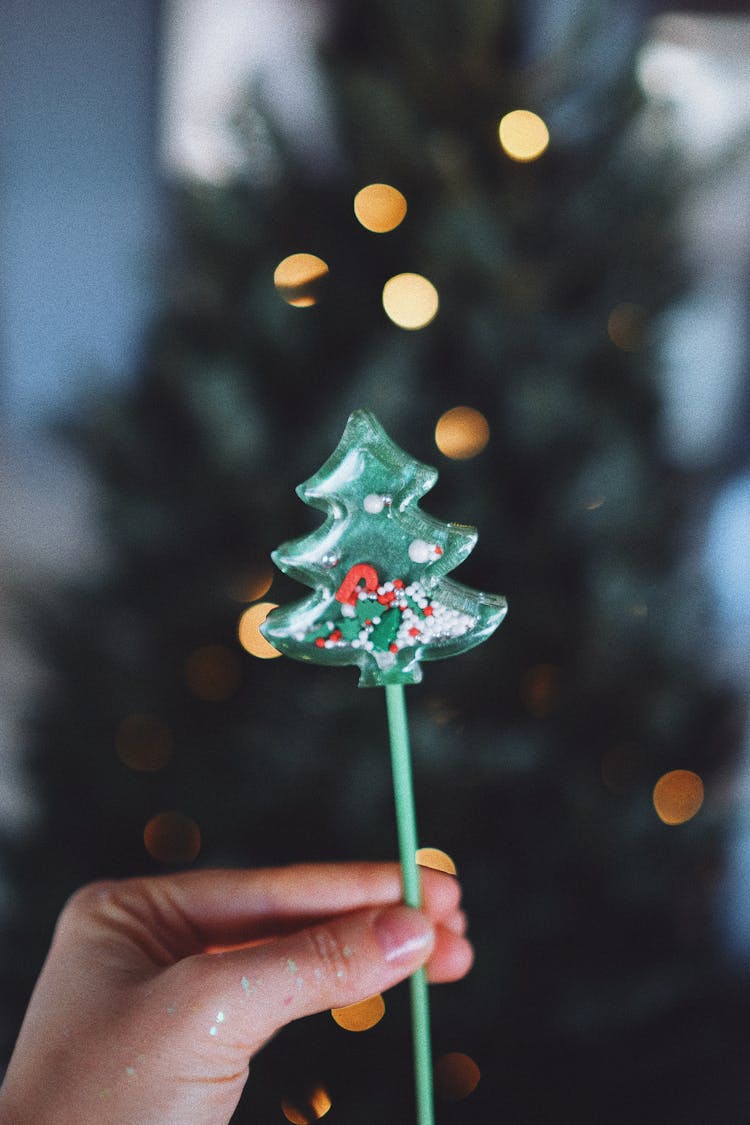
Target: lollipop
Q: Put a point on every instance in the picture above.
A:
(381, 600)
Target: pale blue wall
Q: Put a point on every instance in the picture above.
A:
(78, 195)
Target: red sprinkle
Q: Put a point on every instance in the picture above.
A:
(335, 635)
(393, 648)
(320, 642)
(414, 632)
(427, 611)
(438, 550)
(398, 583)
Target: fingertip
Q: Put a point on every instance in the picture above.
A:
(452, 958)
(405, 935)
(456, 923)
(442, 893)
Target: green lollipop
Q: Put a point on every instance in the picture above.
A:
(381, 601)
(377, 567)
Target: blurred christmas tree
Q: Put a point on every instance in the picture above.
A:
(598, 984)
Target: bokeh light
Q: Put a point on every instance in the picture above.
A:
(379, 207)
(437, 859)
(456, 1076)
(540, 689)
(462, 433)
(254, 583)
(213, 673)
(410, 300)
(523, 135)
(312, 1108)
(172, 837)
(678, 795)
(143, 743)
(250, 636)
(626, 326)
(300, 279)
(361, 1016)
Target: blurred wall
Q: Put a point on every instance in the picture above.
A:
(80, 218)
(78, 193)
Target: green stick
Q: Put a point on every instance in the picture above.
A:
(407, 841)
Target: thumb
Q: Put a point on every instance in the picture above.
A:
(327, 965)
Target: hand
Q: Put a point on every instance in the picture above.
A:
(158, 991)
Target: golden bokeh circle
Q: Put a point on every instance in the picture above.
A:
(523, 135)
(300, 279)
(362, 1015)
(172, 837)
(626, 326)
(213, 673)
(410, 300)
(303, 1112)
(143, 743)
(540, 689)
(435, 858)
(253, 584)
(250, 636)
(462, 433)
(677, 796)
(379, 207)
(456, 1076)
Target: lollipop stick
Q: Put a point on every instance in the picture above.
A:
(407, 841)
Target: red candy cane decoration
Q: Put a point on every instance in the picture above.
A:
(349, 589)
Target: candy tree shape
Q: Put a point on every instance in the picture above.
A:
(377, 567)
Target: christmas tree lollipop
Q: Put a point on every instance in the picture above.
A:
(381, 600)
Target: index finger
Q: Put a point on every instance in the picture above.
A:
(222, 907)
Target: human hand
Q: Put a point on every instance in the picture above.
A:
(137, 1020)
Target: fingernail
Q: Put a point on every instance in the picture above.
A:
(402, 933)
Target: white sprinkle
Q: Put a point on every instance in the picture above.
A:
(419, 551)
(220, 1017)
(373, 503)
(212, 1031)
